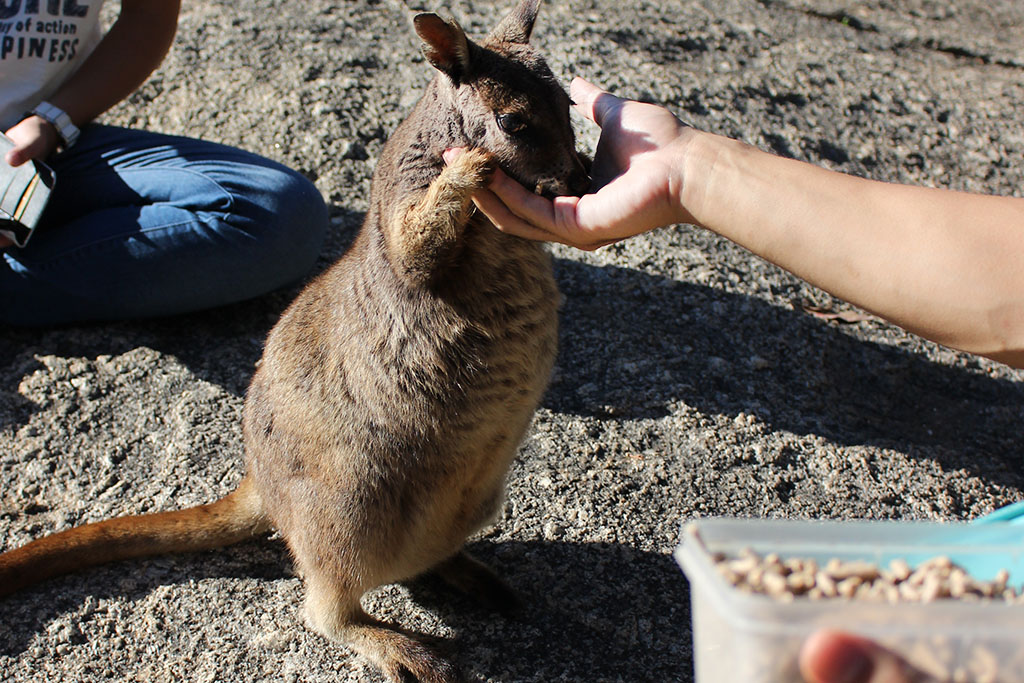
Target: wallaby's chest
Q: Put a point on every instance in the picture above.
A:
(487, 327)
(362, 352)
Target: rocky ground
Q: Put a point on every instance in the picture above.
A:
(692, 381)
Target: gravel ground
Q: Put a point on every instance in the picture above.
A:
(691, 379)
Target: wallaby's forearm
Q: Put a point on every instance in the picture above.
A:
(422, 235)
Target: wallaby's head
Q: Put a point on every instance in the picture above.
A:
(501, 96)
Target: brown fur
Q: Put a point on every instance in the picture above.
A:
(394, 392)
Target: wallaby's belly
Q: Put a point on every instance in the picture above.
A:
(393, 448)
(484, 435)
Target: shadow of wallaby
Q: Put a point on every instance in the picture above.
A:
(634, 344)
(590, 612)
(27, 613)
(620, 607)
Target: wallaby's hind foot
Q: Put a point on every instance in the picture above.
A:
(472, 577)
(401, 655)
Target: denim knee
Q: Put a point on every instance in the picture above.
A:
(286, 218)
(165, 243)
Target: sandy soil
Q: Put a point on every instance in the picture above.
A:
(689, 382)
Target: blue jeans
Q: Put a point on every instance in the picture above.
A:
(141, 224)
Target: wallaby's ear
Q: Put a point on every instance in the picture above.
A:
(444, 45)
(517, 26)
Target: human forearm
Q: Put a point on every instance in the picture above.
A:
(124, 58)
(946, 265)
(129, 52)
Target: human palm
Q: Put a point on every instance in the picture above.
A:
(636, 179)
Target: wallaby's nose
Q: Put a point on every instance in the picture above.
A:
(575, 183)
(578, 183)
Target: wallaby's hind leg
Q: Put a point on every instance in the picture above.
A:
(335, 612)
(474, 578)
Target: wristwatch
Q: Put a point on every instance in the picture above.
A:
(59, 119)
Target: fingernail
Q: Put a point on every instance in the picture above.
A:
(451, 154)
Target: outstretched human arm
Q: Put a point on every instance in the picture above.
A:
(946, 265)
(128, 53)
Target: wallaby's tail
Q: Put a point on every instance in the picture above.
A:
(231, 519)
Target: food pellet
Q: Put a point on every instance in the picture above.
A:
(935, 579)
(787, 579)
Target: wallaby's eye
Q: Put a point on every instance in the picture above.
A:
(511, 123)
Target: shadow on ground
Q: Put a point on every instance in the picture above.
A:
(634, 344)
(622, 607)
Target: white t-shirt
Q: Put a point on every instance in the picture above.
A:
(40, 49)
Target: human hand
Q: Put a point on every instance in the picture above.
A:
(834, 657)
(34, 138)
(637, 178)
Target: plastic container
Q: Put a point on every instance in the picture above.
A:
(750, 638)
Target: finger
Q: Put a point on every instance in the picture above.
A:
(591, 101)
(833, 657)
(495, 210)
(22, 153)
(15, 157)
(452, 153)
(515, 210)
(526, 205)
(587, 222)
(506, 221)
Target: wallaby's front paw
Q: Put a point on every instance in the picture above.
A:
(424, 234)
(471, 170)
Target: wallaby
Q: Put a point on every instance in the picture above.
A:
(394, 392)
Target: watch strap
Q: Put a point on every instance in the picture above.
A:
(59, 119)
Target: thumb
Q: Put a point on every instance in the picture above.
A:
(591, 101)
(20, 154)
(15, 157)
(834, 657)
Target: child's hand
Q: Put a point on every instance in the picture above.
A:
(34, 138)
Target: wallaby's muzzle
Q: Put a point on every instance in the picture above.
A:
(576, 183)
